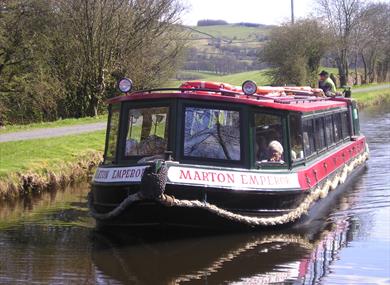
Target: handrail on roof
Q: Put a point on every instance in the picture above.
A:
(229, 92)
(300, 96)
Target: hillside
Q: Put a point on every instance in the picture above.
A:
(232, 32)
(224, 49)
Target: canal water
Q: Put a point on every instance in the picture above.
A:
(51, 240)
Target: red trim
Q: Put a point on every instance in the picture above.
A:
(241, 99)
(329, 164)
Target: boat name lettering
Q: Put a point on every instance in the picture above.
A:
(123, 174)
(232, 178)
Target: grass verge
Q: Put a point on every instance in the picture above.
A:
(44, 164)
(54, 124)
(372, 98)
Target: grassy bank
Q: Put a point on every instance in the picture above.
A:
(372, 98)
(36, 165)
(55, 124)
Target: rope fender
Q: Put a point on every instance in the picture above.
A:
(156, 179)
(153, 184)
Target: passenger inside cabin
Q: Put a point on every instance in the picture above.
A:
(275, 150)
(261, 149)
(147, 132)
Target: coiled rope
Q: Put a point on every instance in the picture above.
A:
(319, 192)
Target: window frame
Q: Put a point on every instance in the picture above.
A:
(332, 142)
(341, 138)
(285, 140)
(169, 103)
(300, 120)
(315, 152)
(114, 160)
(183, 104)
(323, 114)
(325, 147)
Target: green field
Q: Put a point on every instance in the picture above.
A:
(55, 124)
(235, 79)
(40, 155)
(231, 32)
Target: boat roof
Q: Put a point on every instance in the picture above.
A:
(298, 101)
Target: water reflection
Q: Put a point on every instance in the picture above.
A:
(68, 205)
(294, 258)
(55, 243)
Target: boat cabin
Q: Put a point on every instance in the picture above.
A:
(225, 126)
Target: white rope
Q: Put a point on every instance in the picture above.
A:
(317, 193)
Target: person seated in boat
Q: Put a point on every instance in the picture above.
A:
(326, 84)
(152, 145)
(261, 149)
(131, 147)
(275, 152)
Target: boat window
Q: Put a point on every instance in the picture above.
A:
(308, 137)
(112, 134)
(345, 122)
(296, 140)
(147, 133)
(338, 135)
(212, 133)
(269, 138)
(319, 134)
(329, 135)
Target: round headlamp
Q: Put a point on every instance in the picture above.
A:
(125, 85)
(249, 87)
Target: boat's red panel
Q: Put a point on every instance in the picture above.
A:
(319, 171)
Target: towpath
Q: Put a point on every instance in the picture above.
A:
(52, 132)
(371, 88)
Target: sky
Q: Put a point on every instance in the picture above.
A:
(270, 12)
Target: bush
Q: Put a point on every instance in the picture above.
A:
(294, 52)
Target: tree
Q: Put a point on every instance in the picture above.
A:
(342, 17)
(373, 42)
(26, 83)
(294, 52)
(102, 38)
(61, 58)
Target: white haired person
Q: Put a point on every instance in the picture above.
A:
(275, 150)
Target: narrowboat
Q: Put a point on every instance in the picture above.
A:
(215, 156)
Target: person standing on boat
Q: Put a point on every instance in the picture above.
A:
(326, 84)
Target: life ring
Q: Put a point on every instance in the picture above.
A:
(267, 90)
(207, 85)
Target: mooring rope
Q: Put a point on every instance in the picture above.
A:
(319, 192)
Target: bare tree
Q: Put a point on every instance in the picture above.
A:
(96, 39)
(342, 18)
(373, 42)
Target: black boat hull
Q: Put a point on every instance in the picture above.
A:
(258, 204)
